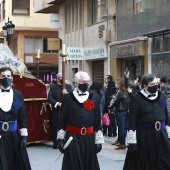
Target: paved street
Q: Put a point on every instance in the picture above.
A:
(42, 156)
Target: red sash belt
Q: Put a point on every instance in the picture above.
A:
(82, 131)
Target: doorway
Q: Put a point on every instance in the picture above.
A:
(135, 67)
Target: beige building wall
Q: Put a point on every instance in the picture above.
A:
(33, 20)
(87, 36)
(34, 24)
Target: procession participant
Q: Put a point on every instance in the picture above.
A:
(55, 99)
(13, 153)
(80, 118)
(148, 129)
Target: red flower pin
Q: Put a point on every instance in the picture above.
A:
(88, 104)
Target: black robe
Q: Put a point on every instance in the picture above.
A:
(11, 156)
(54, 96)
(153, 146)
(80, 154)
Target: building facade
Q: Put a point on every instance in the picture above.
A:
(32, 32)
(86, 27)
(142, 38)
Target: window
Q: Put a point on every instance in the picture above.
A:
(138, 7)
(2, 40)
(73, 16)
(32, 44)
(81, 15)
(144, 12)
(20, 7)
(3, 10)
(67, 18)
(99, 9)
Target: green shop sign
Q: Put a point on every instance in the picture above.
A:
(80, 53)
(74, 53)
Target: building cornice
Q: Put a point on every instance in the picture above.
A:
(128, 41)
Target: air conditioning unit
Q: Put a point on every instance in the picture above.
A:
(107, 35)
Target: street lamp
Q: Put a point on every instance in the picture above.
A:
(8, 30)
(38, 57)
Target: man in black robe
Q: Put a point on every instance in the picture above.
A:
(148, 129)
(13, 153)
(55, 98)
(80, 118)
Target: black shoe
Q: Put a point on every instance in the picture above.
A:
(55, 146)
(114, 135)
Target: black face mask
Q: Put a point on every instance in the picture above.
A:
(6, 82)
(61, 81)
(153, 89)
(83, 87)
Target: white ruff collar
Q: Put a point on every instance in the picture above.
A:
(146, 94)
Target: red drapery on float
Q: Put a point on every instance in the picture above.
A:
(37, 108)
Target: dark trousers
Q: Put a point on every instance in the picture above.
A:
(54, 124)
(113, 123)
(121, 118)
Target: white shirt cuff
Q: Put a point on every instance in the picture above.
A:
(167, 130)
(99, 139)
(56, 105)
(131, 137)
(61, 134)
(24, 132)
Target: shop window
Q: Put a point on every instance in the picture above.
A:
(99, 9)
(20, 7)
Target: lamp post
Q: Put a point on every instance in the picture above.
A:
(38, 57)
(63, 54)
(8, 30)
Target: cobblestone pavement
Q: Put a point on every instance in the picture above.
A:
(42, 156)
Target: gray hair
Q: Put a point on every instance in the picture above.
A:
(79, 74)
(59, 75)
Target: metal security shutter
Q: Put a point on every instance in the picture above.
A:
(98, 71)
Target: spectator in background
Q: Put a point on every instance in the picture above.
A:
(107, 78)
(164, 80)
(55, 96)
(110, 91)
(95, 89)
(102, 102)
(165, 88)
(136, 87)
(54, 81)
(121, 105)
